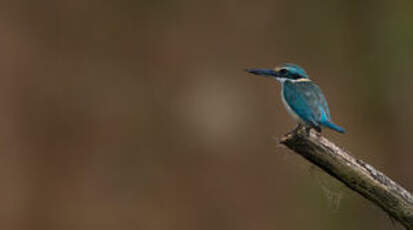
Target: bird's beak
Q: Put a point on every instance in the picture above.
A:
(263, 72)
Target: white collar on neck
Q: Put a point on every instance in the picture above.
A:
(282, 80)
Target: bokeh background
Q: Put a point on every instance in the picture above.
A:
(138, 115)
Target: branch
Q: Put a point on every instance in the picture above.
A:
(355, 174)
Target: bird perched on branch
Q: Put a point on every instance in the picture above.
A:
(302, 98)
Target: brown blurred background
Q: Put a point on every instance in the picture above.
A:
(138, 115)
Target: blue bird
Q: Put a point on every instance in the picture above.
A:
(302, 98)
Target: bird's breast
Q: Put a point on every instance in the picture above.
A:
(287, 106)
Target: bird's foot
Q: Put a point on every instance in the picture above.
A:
(296, 129)
(307, 131)
(317, 131)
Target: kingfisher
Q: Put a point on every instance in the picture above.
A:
(301, 97)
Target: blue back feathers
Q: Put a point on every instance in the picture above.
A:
(308, 102)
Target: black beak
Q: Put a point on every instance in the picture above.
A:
(263, 72)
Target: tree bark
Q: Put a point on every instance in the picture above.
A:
(355, 174)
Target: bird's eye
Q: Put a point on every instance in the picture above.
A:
(283, 71)
(296, 76)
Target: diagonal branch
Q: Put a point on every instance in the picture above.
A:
(355, 174)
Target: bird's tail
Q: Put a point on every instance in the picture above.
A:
(333, 126)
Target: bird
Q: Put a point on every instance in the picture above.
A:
(302, 98)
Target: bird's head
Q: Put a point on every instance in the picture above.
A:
(281, 73)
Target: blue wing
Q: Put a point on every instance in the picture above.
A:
(306, 99)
